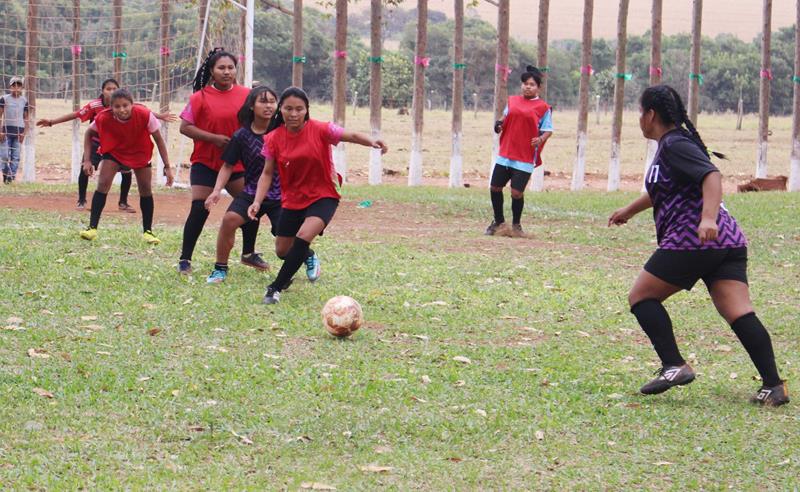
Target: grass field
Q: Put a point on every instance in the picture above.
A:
(118, 374)
(718, 130)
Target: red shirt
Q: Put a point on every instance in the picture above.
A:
(520, 126)
(304, 162)
(128, 142)
(216, 112)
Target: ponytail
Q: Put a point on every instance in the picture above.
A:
(667, 104)
(203, 75)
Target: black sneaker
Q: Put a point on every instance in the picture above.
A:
(272, 296)
(774, 396)
(668, 376)
(185, 267)
(494, 227)
(256, 261)
(81, 205)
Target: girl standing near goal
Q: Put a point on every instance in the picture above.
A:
(89, 113)
(300, 148)
(210, 118)
(245, 147)
(526, 125)
(697, 239)
(125, 132)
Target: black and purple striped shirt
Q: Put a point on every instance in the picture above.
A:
(674, 182)
(246, 146)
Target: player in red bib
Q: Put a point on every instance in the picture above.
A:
(300, 148)
(210, 119)
(89, 113)
(124, 131)
(526, 125)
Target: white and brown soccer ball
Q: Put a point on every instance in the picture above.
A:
(342, 315)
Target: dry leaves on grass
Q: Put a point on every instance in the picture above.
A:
(539, 435)
(316, 486)
(35, 353)
(89, 318)
(244, 439)
(462, 359)
(43, 392)
(153, 331)
(376, 469)
(14, 320)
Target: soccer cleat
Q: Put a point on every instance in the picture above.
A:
(669, 376)
(516, 231)
(89, 234)
(774, 396)
(185, 267)
(124, 207)
(313, 268)
(256, 261)
(496, 229)
(81, 205)
(217, 276)
(150, 238)
(272, 296)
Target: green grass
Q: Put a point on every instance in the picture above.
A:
(548, 401)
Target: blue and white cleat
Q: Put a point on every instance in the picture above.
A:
(313, 268)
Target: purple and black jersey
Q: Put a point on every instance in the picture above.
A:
(675, 185)
(245, 146)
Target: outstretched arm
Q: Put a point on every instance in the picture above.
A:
(44, 122)
(365, 140)
(624, 214)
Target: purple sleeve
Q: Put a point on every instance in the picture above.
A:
(187, 115)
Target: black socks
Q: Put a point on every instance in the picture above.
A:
(497, 206)
(758, 344)
(83, 183)
(193, 227)
(516, 209)
(221, 266)
(146, 204)
(249, 233)
(655, 322)
(294, 258)
(98, 204)
(125, 187)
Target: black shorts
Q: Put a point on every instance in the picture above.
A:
(94, 156)
(501, 175)
(291, 220)
(202, 175)
(270, 208)
(122, 167)
(685, 268)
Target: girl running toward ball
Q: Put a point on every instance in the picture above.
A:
(210, 118)
(300, 149)
(697, 239)
(125, 132)
(245, 147)
(526, 125)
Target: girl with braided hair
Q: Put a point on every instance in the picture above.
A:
(697, 239)
(210, 119)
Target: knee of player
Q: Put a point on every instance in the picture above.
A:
(517, 194)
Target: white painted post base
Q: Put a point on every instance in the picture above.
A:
(340, 160)
(415, 161)
(613, 168)
(761, 160)
(794, 171)
(537, 179)
(77, 152)
(375, 161)
(579, 170)
(456, 163)
(29, 161)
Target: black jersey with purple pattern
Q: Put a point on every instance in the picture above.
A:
(674, 182)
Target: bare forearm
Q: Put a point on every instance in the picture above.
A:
(162, 148)
(223, 177)
(195, 133)
(640, 204)
(712, 195)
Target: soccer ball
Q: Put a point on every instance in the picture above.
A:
(341, 316)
